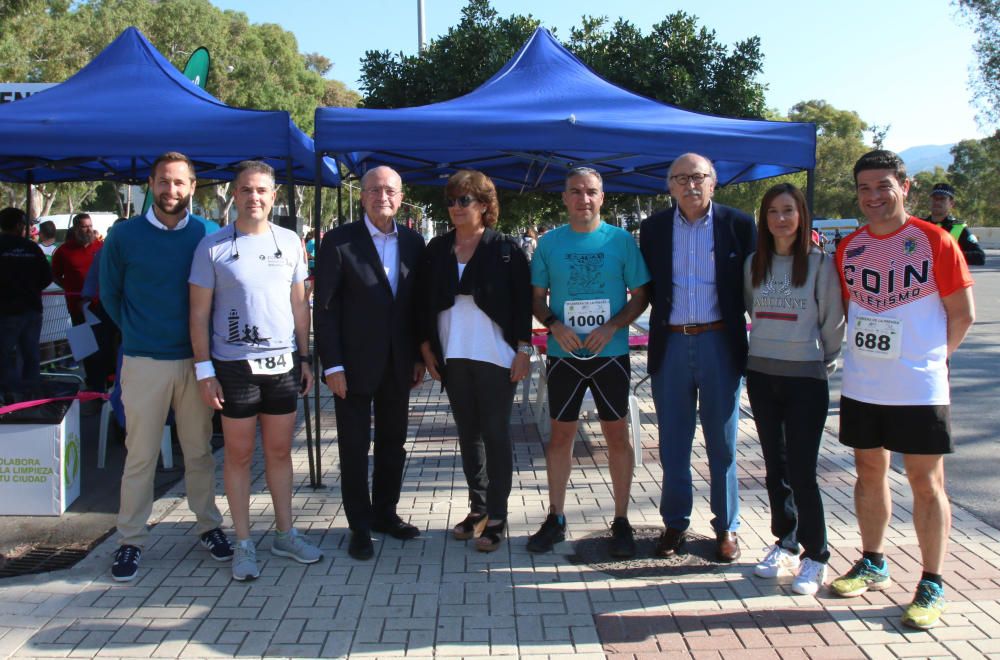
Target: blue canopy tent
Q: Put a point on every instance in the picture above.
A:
(112, 118)
(545, 112)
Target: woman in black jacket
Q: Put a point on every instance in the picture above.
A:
(476, 331)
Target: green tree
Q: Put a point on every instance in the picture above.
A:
(839, 144)
(253, 66)
(975, 173)
(984, 16)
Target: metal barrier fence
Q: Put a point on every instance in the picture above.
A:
(54, 347)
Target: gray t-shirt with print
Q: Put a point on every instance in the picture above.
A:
(252, 277)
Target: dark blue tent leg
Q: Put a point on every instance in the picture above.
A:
(810, 190)
(316, 473)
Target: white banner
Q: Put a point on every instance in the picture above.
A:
(10, 92)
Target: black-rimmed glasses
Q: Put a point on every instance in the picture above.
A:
(684, 179)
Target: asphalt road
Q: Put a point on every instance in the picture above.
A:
(973, 480)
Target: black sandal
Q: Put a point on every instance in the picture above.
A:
(471, 527)
(491, 537)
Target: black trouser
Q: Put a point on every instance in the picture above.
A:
(481, 396)
(354, 418)
(789, 413)
(100, 364)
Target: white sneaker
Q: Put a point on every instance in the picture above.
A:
(777, 562)
(811, 576)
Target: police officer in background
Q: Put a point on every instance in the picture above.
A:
(942, 202)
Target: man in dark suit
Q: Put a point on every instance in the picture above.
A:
(364, 321)
(697, 345)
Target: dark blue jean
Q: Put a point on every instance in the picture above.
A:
(698, 374)
(19, 355)
(789, 414)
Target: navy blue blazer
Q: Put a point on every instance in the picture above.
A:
(735, 237)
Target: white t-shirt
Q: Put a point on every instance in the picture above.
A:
(467, 332)
(252, 307)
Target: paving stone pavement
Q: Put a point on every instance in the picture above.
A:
(435, 596)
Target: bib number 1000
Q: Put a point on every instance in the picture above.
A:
(582, 321)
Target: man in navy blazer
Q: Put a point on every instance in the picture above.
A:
(364, 316)
(697, 345)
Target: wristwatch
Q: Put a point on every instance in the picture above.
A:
(549, 320)
(306, 358)
(527, 349)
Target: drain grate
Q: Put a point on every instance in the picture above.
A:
(697, 555)
(41, 559)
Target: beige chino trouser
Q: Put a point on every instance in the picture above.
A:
(149, 389)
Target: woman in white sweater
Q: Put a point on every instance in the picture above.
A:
(793, 294)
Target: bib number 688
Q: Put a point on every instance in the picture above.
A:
(872, 341)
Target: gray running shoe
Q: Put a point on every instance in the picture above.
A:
(296, 547)
(245, 561)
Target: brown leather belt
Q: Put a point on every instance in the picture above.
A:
(697, 328)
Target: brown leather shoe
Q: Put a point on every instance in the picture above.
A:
(670, 542)
(729, 547)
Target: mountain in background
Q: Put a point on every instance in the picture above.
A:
(926, 157)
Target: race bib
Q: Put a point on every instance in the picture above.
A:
(585, 316)
(271, 366)
(877, 337)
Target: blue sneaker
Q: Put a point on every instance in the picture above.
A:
(863, 576)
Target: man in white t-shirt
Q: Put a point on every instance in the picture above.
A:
(250, 335)
(909, 304)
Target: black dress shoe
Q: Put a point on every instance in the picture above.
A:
(396, 528)
(361, 547)
(728, 548)
(670, 542)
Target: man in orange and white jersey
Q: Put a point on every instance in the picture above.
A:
(909, 303)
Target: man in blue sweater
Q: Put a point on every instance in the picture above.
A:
(145, 265)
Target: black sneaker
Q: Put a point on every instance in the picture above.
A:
(622, 544)
(215, 541)
(551, 532)
(126, 563)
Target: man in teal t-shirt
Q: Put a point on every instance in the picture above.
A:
(581, 274)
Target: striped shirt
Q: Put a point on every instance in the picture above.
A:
(695, 298)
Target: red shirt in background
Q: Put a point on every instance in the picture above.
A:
(70, 263)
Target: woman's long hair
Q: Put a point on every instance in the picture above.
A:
(761, 264)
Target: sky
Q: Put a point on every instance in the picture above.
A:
(902, 63)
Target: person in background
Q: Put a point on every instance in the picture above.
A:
(529, 241)
(311, 250)
(47, 238)
(475, 291)
(942, 204)
(24, 272)
(792, 292)
(70, 263)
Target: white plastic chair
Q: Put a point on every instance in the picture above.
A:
(166, 448)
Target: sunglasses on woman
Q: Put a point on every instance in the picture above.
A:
(464, 201)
